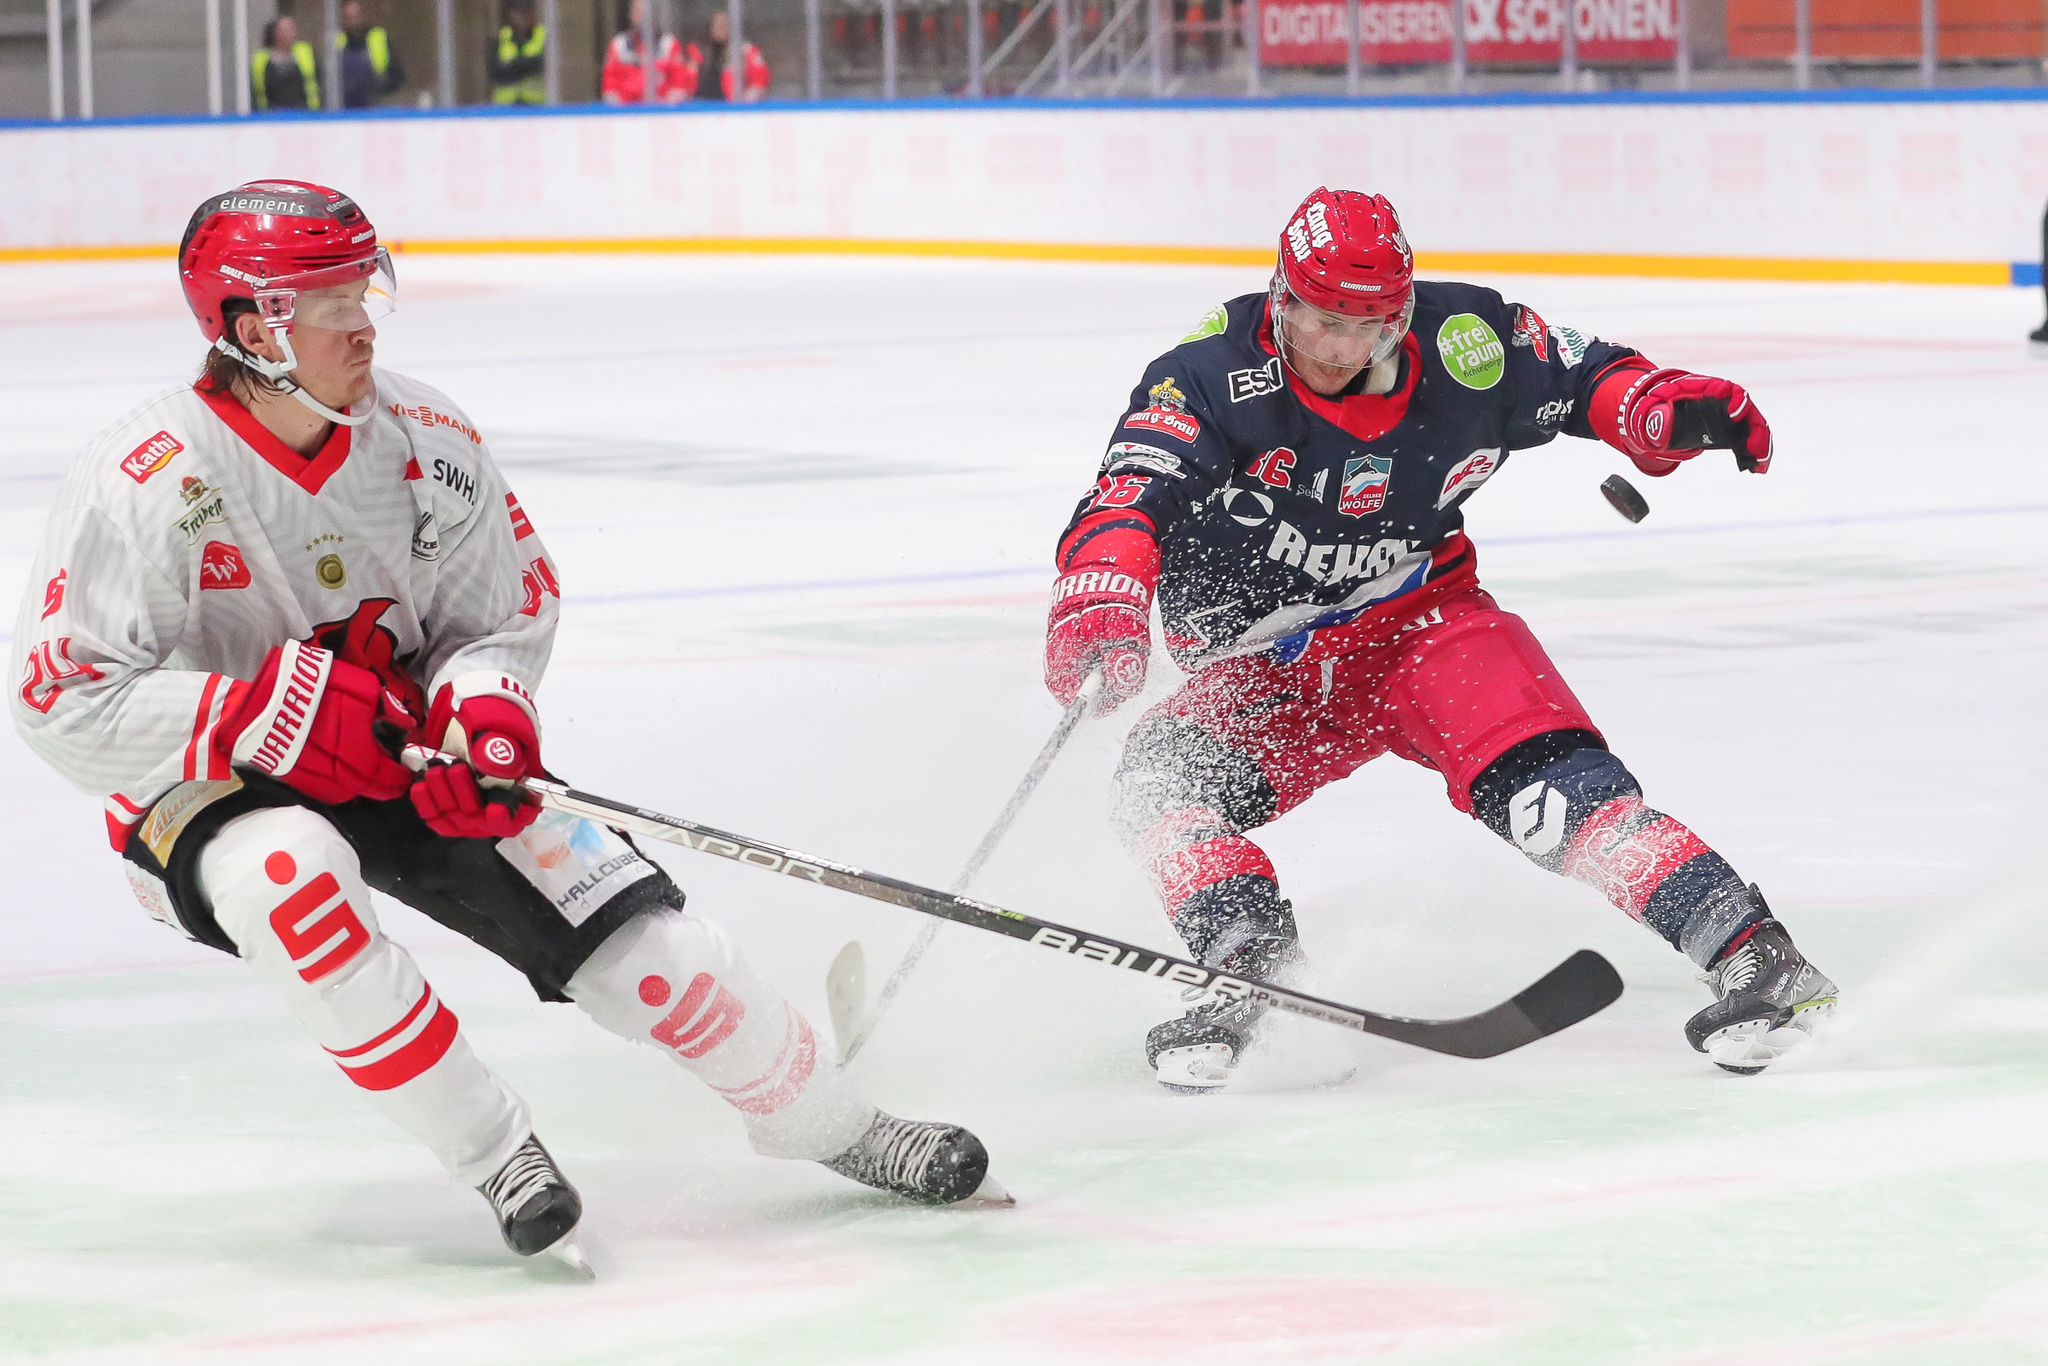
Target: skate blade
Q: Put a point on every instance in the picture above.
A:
(1753, 1045)
(564, 1258)
(846, 995)
(991, 1194)
(1194, 1070)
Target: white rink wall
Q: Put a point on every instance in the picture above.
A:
(1945, 189)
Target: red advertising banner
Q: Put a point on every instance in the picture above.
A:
(1497, 32)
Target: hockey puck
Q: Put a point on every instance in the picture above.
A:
(1623, 498)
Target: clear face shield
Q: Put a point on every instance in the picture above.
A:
(343, 298)
(1340, 341)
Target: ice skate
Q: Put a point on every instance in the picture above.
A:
(931, 1163)
(1199, 1051)
(2039, 337)
(536, 1206)
(1767, 1000)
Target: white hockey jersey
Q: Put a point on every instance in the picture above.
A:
(189, 541)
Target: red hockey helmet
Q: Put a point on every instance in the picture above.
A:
(294, 251)
(1344, 291)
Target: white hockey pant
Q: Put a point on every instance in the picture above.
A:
(677, 983)
(288, 890)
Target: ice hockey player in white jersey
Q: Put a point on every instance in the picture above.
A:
(253, 589)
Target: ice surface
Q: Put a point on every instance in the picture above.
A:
(803, 513)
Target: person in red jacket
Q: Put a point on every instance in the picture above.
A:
(625, 66)
(712, 65)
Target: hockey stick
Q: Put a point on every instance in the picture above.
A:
(846, 979)
(1584, 984)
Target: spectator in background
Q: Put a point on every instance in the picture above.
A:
(713, 64)
(519, 62)
(368, 70)
(625, 75)
(284, 74)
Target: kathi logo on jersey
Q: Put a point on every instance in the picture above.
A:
(221, 567)
(207, 507)
(151, 456)
(1364, 491)
(1468, 474)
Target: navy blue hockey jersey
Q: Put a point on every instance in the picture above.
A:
(1281, 513)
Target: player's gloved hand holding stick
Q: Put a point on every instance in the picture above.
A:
(316, 724)
(1100, 621)
(1580, 986)
(846, 980)
(494, 738)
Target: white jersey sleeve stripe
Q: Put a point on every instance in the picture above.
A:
(200, 759)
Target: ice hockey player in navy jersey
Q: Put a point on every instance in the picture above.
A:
(1289, 483)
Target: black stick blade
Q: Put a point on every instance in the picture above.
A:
(1581, 986)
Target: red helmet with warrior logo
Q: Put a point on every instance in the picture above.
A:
(295, 253)
(1345, 287)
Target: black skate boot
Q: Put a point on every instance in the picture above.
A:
(536, 1206)
(2039, 336)
(933, 1164)
(1767, 1000)
(1241, 927)
(1197, 1052)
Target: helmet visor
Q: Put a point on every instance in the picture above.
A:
(1338, 340)
(343, 298)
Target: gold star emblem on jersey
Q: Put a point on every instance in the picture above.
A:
(1166, 394)
(330, 572)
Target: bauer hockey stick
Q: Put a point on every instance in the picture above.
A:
(1582, 985)
(846, 979)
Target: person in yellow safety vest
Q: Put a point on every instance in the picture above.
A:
(284, 75)
(368, 70)
(519, 64)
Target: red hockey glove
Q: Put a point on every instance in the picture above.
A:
(1661, 417)
(1101, 617)
(323, 728)
(496, 733)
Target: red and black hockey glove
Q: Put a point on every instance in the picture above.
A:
(1101, 616)
(1659, 418)
(322, 727)
(497, 736)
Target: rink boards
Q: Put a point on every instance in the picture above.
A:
(1855, 186)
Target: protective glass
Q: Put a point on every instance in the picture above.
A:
(338, 298)
(1338, 340)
